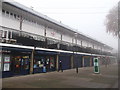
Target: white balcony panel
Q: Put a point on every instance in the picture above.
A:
(10, 22)
(67, 38)
(33, 28)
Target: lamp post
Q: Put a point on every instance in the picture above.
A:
(76, 52)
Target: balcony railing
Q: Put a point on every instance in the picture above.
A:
(30, 39)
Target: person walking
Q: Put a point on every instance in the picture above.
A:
(77, 69)
(60, 66)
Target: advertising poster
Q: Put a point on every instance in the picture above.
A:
(6, 66)
(7, 59)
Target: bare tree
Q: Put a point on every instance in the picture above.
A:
(111, 21)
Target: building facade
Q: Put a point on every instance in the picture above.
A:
(31, 41)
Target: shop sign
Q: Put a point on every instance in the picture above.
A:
(25, 56)
(96, 65)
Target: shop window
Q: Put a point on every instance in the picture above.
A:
(39, 63)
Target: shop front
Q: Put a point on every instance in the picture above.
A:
(77, 61)
(87, 61)
(15, 62)
(44, 62)
(20, 64)
(65, 61)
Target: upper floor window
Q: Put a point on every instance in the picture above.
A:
(3, 11)
(11, 14)
(7, 13)
(14, 15)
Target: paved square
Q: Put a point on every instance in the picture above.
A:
(107, 78)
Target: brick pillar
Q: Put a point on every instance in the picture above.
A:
(31, 62)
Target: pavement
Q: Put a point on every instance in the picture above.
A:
(108, 78)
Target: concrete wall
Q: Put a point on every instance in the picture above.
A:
(53, 34)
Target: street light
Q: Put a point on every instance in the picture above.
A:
(76, 51)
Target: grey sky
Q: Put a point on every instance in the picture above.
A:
(87, 16)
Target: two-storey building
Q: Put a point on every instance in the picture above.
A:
(31, 41)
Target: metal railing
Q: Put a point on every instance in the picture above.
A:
(30, 39)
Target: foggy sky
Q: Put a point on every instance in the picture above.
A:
(87, 16)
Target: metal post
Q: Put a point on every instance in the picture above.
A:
(71, 61)
(76, 53)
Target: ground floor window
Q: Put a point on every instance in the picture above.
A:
(44, 61)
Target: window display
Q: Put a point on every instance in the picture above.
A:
(38, 62)
(6, 63)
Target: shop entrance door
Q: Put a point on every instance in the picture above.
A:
(16, 64)
(25, 65)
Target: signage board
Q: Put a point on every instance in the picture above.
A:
(96, 65)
